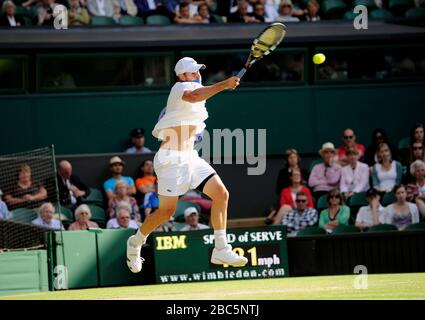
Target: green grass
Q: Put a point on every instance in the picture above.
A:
(383, 286)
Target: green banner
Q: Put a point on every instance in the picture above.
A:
(185, 256)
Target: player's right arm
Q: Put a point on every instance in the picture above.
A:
(207, 92)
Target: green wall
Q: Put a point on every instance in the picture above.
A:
(300, 117)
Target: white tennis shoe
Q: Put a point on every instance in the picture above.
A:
(227, 256)
(134, 260)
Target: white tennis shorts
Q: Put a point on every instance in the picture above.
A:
(179, 171)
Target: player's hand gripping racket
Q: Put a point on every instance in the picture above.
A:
(265, 43)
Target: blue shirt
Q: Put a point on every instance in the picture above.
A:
(54, 224)
(4, 212)
(151, 200)
(109, 184)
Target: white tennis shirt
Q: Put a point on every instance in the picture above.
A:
(179, 112)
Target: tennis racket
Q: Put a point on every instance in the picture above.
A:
(265, 43)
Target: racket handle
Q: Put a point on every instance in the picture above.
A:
(241, 73)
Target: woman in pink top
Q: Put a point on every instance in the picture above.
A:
(82, 217)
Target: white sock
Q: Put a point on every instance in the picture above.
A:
(138, 239)
(220, 239)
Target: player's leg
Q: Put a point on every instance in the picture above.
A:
(222, 253)
(277, 219)
(167, 207)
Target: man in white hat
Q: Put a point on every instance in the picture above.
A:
(191, 215)
(116, 166)
(179, 167)
(325, 176)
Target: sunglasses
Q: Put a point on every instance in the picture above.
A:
(348, 137)
(301, 201)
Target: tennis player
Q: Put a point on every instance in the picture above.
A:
(179, 167)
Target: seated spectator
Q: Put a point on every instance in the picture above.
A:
(195, 196)
(378, 136)
(241, 15)
(270, 10)
(8, 18)
(82, 219)
(286, 12)
(126, 7)
(122, 198)
(259, 12)
(150, 202)
(416, 189)
(416, 152)
(191, 216)
(204, 14)
(373, 214)
(312, 11)
(45, 13)
(193, 6)
(102, 8)
(292, 161)
(288, 196)
(123, 219)
(325, 176)
(26, 193)
(71, 188)
(417, 133)
(300, 217)
(146, 8)
(336, 214)
(401, 213)
(77, 15)
(146, 180)
(138, 141)
(4, 212)
(183, 16)
(349, 141)
(387, 172)
(46, 218)
(355, 175)
(116, 166)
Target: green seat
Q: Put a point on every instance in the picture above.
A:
(389, 197)
(322, 202)
(157, 19)
(218, 18)
(345, 229)
(334, 9)
(399, 7)
(314, 162)
(380, 14)
(382, 227)
(310, 231)
(416, 226)
(369, 4)
(98, 215)
(358, 200)
(404, 143)
(415, 13)
(27, 21)
(102, 21)
(67, 213)
(350, 15)
(95, 197)
(181, 207)
(131, 21)
(23, 12)
(23, 215)
(178, 226)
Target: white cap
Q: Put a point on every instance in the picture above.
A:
(189, 211)
(187, 64)
(327, 146)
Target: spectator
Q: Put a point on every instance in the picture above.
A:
(288, 196)
(292, 161)
(4, 212)
(150, 202)
(71, 188)
(387, 172)
(123, 219)
(126, 7)
(286, 12)
(259, 12)
(193, 6)
(196, 196)
(349, 141)
(225, 7)
(183, 16)
(101, 8)
(378, 136)
(204, 14)
(138, 141)
(301, 216)
(82, 219)
(122, 198)
(46, 218)
(8, 18)
(373, 214)
(270, 10)
(25, 193)
(147, 8)
(191, 216)
(417, 133)
(355, 175)
(416, 189)
(241, 15)
(416, 152)
(45, 12)
(145, 182)
(116, 166)
(336, 214)
(312, 11)
(77, 15)
(401, 213)
(325, 176)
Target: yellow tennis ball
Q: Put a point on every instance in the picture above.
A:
(319, 58)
